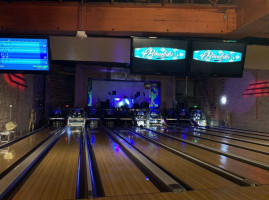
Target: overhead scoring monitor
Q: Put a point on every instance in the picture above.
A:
(217, 58)
(24, 55)
(159, 56)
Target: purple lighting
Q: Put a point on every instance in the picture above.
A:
(116, 146)
(234, 88)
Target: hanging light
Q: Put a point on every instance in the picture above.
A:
(81, 34)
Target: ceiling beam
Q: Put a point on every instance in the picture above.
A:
(253, 20)
(64, 19)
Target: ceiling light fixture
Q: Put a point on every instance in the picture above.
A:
(81, 34)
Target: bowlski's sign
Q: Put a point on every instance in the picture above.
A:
(219, 56)
(159, 53)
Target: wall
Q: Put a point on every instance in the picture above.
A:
(248, 112)
(60, 87)
(207, 93)
(22, 101)
(257, 57)
(98, 49)
(185, 99)
(251, 111)
(84, 72)
(100, 90)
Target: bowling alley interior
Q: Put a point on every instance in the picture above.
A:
(134, 99)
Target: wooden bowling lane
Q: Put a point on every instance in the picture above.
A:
(11, 154)
(237, 132)
(262, 133)
(118, 174)
(222, 147)
(184, 134)
(250, 172)
(243, 136)
(246, 193)
(246, 140)
(191, 174)
(56, 176)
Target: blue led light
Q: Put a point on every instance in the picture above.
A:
(132, 142)
(116, 146)
(92, 139)
(127, 101)
(217, 56)
(159, 53)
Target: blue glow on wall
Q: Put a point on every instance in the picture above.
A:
(217, 56)
(155, 96)
(159, 53)
(89, 93)
(24, 54)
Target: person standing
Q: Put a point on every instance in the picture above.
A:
(32, 120)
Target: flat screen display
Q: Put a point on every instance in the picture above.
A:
(159, 56)
(24, 55)
(215, 58)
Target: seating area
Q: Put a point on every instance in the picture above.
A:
(10, 133)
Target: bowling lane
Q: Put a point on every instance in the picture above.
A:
(56, 176)
(9, 155)
(242, 136)
(236, 130)
(191, 174)
(183, 134)
(245, 170)
(222, 147)
(119, 175)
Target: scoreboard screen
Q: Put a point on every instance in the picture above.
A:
(217, 58)
(24, 55)
(164, 56)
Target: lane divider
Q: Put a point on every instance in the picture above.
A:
(97, 186)
(14, 176)
(234, 145)
(20, 138)
(88, 166)
(229, 155)
(227, 137)
(226, 174)
(236, 130)
(155, 173)
(237, 133)
(6, 171)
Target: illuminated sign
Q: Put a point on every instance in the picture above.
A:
(16, 80)
(217, 56)
(159, 53)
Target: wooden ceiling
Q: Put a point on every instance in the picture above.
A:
(229, 19)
